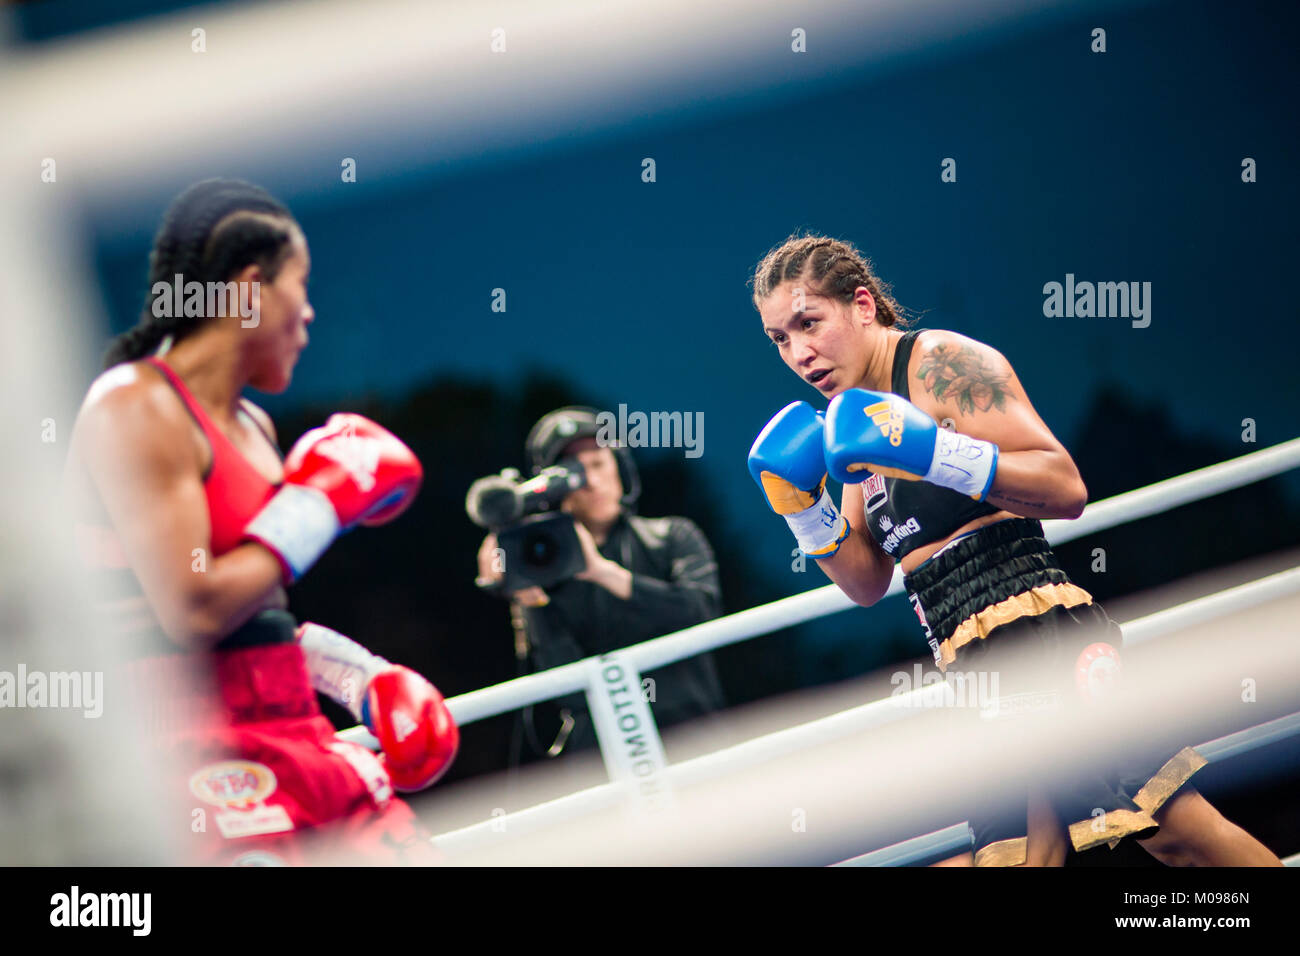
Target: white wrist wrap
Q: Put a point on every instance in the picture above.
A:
(340, 668)
(298, 523)
(818, 530)
(963, 463)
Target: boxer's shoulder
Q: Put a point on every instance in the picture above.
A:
(133, 388)
(950, 373)
(133, 404)
(946, 346)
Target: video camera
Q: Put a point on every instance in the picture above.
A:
(540, 546)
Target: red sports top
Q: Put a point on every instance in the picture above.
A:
(235, 492)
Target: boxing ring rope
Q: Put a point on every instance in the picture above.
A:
(1143, 502)
(859, 790)
(829, 599)
(952, 840)
(887, 710)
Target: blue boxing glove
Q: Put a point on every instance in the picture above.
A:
(886, 434)
(789, 464)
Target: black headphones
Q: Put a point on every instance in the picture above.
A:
(558, 429)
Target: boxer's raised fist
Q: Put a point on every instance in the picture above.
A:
(886, 434)
(788, 464)
(348, 471)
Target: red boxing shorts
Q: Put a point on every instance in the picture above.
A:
(266, 780)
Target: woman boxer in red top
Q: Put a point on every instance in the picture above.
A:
(194, 524)
(958, 507)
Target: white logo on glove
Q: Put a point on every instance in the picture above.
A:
(403, 725)
(358, 455)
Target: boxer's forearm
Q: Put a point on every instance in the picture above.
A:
(219, 598)
(1038, 484)
(858, 571)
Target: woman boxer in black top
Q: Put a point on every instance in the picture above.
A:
(958, 507)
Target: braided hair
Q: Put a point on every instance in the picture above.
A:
(830, 267)
(210, 232)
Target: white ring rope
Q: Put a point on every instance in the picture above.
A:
(814, 805)
(875, 714)
(954, 839)
(786, 612)
(1220, 604)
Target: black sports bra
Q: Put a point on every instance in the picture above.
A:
(905, 515)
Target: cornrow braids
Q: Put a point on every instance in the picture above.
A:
(210, 231)
(829, 267)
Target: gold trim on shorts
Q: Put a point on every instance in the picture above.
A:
(1115, 825)
(1003, 853)
(1029, 603)
(1177, 770)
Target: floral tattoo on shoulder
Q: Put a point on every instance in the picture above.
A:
(956, 373)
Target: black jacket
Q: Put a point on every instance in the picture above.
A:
(674, 585)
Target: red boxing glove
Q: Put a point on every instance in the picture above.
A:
(346, 472)
(417, 732)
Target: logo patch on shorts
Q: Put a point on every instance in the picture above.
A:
(1096, 672)
(241, 787)
(233, 783)
(925, 626)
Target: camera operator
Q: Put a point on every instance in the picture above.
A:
(643, 577)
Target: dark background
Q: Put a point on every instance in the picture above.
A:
(1122, 166)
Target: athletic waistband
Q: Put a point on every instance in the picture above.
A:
(999, 573)
(260, 676)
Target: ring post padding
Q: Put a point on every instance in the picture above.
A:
(626, 729)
